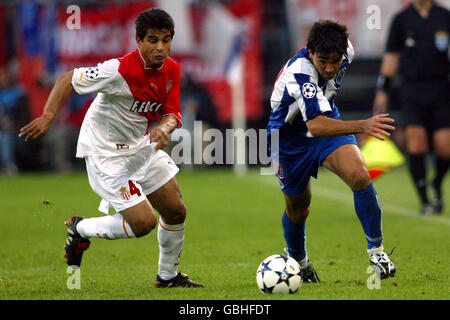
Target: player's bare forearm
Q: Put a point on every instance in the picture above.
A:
(161, 133)
(40, 126)
(376, 126)
(322, 126)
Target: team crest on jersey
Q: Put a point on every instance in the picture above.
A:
(168, 86)
(339, 75)
(309, 90)
(441, 40)
(92, 73)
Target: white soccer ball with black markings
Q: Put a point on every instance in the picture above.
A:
(279, 274)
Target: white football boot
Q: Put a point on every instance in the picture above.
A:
(381, 263)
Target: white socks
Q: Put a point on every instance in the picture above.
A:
(108, 227)
(171, 239)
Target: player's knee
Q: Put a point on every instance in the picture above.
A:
(442, 151)
(417, 148)
(298, 214)
(176, 214)
(441, 142)
(359, 179)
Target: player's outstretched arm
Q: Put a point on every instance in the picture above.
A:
(40, 126)
(376, 126)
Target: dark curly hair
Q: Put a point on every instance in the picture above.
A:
(153, 18)
(327, 37)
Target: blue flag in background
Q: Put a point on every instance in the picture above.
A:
(28, 17)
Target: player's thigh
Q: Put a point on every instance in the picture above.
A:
(441, 141)
(416, 139)
(109, 178)
(297, 206)
(348, 163)
(157, 178)
(167, 201)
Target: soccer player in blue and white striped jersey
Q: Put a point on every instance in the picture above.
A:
(311, 134)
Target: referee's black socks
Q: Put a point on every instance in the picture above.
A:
(417, 168)
(441, 168)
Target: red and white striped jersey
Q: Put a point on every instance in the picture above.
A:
(129, 98)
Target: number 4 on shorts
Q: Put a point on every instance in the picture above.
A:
(134, 189)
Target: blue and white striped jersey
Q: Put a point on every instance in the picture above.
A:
(299, 95)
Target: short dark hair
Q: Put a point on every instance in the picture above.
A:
(153, 18)
(327, 37)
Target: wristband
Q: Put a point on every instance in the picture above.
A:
(384, 83)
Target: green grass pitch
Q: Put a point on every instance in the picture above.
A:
(233, 224)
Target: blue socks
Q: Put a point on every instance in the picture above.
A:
(294, 234)
(369, 213)
(367, 210)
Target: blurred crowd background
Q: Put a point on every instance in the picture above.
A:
(230, 53)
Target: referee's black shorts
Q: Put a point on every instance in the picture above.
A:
(426, 103)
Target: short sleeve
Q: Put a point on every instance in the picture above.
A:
(309, 96)
(172, 103)
(102, 78)
(395, 36)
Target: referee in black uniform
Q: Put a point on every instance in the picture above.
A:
(417, 48)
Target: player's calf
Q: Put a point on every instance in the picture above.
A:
(142, 226)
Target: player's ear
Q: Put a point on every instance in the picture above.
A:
(138, 41)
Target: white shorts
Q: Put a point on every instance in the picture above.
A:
(124, 181)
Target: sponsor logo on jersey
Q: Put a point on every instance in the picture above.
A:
(145, 106)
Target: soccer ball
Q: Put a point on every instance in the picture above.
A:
(279, 274)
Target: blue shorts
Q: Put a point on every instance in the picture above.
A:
(294, 171)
